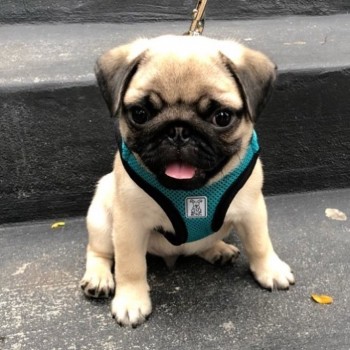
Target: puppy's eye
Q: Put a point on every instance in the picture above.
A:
(139, 115)
(223, 118)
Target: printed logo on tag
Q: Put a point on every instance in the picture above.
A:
(196, 207)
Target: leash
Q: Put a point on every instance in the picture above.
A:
(198, 14)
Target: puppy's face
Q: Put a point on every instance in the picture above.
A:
(185, 105)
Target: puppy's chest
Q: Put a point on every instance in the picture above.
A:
(194, 214)
(193, 209)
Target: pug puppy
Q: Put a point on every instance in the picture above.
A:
(185, 108)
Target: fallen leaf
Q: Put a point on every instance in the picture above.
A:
(58, 224)
(335, 214)
(322, 298)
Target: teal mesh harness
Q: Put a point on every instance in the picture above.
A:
(194, 214)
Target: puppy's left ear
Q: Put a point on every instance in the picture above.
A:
(254, 74)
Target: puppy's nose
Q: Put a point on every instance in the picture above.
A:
(179, 135)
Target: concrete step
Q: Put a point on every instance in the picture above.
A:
(57, 139)
(195, 306)
(38, 11)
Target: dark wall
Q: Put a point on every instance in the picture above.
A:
(54, 147)
(305, 132)
(120, 11)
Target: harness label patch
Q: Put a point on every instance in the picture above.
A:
(196, 207)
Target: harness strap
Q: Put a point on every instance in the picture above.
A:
(166, 204)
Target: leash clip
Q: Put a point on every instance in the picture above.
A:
(197, 25)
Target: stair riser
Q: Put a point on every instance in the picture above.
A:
(57, 142)
(19, 11)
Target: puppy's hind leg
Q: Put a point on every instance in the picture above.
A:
(220, 253)
(98, 279)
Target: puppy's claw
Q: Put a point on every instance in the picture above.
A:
(83, 284)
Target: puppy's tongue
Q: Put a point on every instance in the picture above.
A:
(180, 171)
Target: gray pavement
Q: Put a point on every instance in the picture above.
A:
(196, 306)
(49, 54)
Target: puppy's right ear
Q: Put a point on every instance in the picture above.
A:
(114, 71)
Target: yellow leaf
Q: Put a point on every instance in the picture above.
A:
(322, 299)
(58, 224)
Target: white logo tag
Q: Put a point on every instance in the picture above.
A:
(196, 207)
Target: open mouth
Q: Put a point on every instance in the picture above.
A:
(180, 171)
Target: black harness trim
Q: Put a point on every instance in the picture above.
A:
(230, 194)
(181, 234)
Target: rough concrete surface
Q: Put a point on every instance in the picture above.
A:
(60, 54)
(196, 306)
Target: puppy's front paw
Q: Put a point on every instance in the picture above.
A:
(272, 273)
(221, 253)
(98, 282)
(131, 305)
